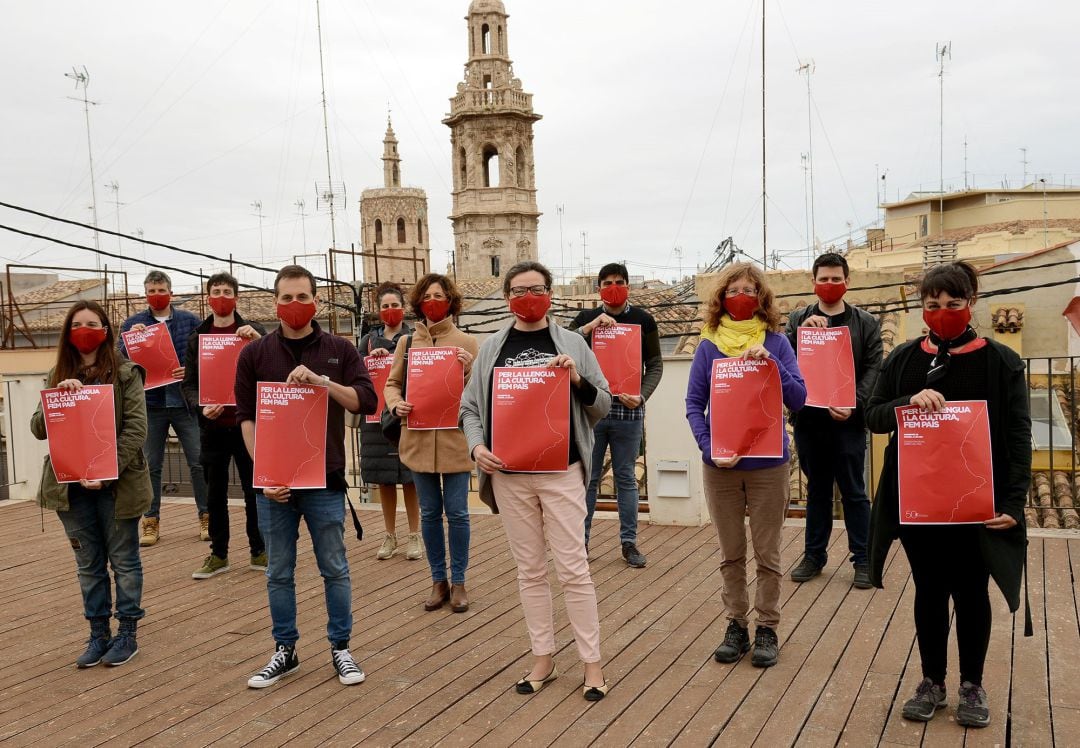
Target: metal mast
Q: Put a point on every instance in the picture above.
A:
(82, 79)
(326, 130)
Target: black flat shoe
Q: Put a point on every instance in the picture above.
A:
(595, 693)
(528, 687)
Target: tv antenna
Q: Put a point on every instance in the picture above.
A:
(943, 53)
(807, 69)
(256, 205)
(300, 212)
(82, 80)
(328, 195)
(114, 187)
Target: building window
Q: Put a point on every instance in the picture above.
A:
(420, 231)
(491, 166)
(495, 273)
(485, 39)
(923, 220)
(378, 231)
(401, 231)
(1048, 422)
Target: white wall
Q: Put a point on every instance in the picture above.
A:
(25, 454)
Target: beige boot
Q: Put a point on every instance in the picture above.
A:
(389, 545)
(414, 550)
(150, 531)
(204, 526)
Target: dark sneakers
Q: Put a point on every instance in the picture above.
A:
(123, 646)
(633, 556)
(805, 571)
(766, 647)
(973, 709)
(348, 672)
(98, 643)
(736, 644)
(928, 698)
(862, 577)
(283, 662)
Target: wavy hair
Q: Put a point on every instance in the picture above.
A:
(767, 309)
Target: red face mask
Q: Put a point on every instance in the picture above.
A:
(392, 317)
(86, 339)
(741, 307)
(947, 324)
(159, 302)
(830, 293)
(223, 306)
(529, 308)
(435, 310)
(296, 314)
(615, 296)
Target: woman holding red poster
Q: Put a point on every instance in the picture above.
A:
(438, 458)
(101, 518)
(955, 560)
(742, 321)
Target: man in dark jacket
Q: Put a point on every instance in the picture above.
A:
(831, 442)
(221, 438)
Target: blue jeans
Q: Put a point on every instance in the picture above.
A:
(186, 426)
(324, 512)
(98, 538)
(444, 493)
(624, 438)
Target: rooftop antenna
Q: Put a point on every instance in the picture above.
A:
(965, 165)
(806, 204)
(1024, 161)
(808, 68)
(326, 196)
(764, 192)
(114, 187)
(678, 254)
(585, 253)
(140, 233)
(303, 227)
(82, 80)
(561, 209)
(256, 205)
(1046, 228)
(944, 51)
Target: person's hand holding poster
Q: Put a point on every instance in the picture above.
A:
(378, 368)
(618, 351)
(746, 409)
(827, 366)
(152, 349)
(81, 427)
(218, 355)
(436, 379)
(946, 473)
(290, 435)
(530, 418)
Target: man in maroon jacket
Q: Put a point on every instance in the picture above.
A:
(299, 352)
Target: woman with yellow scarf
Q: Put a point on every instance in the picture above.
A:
(742, 321)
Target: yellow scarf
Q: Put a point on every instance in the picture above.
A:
(734, 338)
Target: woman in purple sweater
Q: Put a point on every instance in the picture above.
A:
(741, 320)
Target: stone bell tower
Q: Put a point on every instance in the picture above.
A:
(491, 119)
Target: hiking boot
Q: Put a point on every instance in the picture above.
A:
(389, 545)
(928, 698)
(766, 647)
(973, 709)
(98, 643)
(633, 556)
(123, 646)
(150, 531)
(414, 550)
(211, 567)
(862, 577)
(805, 571)
(736, 644)
(258, 561)
(348, 672)
(204, 526)
(283, 662)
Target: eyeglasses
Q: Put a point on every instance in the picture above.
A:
(736, 291)
(534, 290)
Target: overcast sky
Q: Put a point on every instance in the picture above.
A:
(651, 136)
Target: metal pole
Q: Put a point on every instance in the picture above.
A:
(764, 192)
(326, 128)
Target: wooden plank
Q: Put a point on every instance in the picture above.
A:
(1062, 638)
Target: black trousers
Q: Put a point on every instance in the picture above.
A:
(219, 446)
(946, 562)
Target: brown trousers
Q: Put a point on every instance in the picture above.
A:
(730, 493)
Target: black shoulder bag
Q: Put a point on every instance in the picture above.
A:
(389, 421)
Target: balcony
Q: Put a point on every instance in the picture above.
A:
(486, 101)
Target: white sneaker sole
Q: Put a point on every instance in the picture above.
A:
(118, 664)
(253, 567)
(257, 682)
(352, 680)
(207, 575)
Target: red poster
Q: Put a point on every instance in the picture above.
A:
(618, 351)
(290, 435)
(435, 381)
(946, 472)
(153, 350)
(746, 409)
(827, 366)
(378, 368)
(218, 355)
(81, 427)
(530, 418)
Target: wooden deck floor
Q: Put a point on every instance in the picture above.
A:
(847, 659)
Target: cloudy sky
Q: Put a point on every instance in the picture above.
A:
(651, 136)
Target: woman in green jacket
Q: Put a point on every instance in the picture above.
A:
(955, 561)
(101, 518)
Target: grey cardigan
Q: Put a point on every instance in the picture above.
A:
(476, 400)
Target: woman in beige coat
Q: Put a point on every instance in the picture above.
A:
(438, 459)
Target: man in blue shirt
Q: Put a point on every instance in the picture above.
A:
(165, 406)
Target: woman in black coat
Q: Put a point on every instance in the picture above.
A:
(957, 561)
(379, 461)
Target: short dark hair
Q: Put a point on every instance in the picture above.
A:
(416, 295)
(613, 268)
(525, 267)
(958, 279)
(294, 271)
(389, 287)
(157, 276)
(830, 260)
(222, 279)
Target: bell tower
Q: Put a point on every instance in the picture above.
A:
(494, 212)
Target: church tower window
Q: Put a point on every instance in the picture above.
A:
(401, 231)
(485, 39)
(378, 231)
(419, 230)
(491, 166)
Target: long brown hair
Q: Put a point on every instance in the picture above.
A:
(767, 309)
(69, 360)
